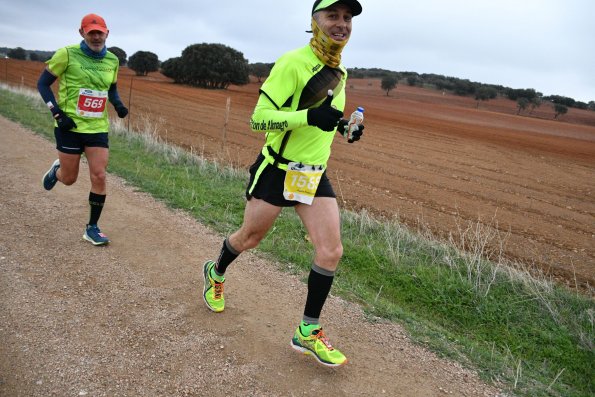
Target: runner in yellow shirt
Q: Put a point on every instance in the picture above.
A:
(299, 109)
(88, 74)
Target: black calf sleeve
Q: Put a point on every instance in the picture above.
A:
(227, 255)
(96, 202)
(319, 286)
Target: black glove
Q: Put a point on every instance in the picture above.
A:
(65, 123)
(122, 111)
(355, 135)
(325, 117)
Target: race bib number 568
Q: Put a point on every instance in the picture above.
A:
(91, 103)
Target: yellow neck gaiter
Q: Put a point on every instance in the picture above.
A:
(325, 48)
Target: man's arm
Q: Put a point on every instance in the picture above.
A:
(115, 100)
(46, 79)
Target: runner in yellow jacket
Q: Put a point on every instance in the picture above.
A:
(299, 110)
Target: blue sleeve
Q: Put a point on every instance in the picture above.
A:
(43, 86)
(113, 96)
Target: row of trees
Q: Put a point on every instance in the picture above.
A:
(482, 92)
(42, 56)
(201, 65)
(526, 98)
(217, 66)
(22, 54)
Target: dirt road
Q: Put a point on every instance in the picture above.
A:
(128, 319)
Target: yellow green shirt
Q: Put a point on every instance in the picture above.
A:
(84, 84)
(297, 82)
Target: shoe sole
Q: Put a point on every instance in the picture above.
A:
(95, 243)
(47, 173)
(205, 289)
(308, 352)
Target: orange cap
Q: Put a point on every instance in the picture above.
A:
(93, 22)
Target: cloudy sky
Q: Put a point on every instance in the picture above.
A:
(548, 45)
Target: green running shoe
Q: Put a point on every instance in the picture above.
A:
(318, 345)
(213, 290)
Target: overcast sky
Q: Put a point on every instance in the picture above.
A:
(548, 45)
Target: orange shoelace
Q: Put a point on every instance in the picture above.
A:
(322, 337)
(218, 290)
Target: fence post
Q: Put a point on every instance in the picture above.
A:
(130, 103)
(224, 132)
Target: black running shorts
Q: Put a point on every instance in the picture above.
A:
(269, 186)
(75, 142)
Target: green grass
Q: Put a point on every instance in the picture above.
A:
(524, 334)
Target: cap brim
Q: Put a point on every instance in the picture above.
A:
(91, 28)
(356, 7)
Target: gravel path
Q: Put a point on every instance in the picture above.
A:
(128, 319)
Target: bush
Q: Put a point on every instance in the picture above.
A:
(17, 53)
(120, 53)
(208, 66)
(143, 62)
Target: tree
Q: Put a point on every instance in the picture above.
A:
(515, 94)
(484, 93)
(559, 109)
(33, 56)
(413, 80)
(120, 53)
(562, 100)
(388, 83)
(214, 66)
(17, 53)
(143, 62)
(534, 103)
(260, 70)
(463, 87)
(522, 104)
(591, 105)
(173, 69)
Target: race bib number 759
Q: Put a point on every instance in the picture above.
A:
(91, 103)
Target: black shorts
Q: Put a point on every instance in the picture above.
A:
(75, 142)
(270, 183)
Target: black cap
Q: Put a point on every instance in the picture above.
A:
(356, 7)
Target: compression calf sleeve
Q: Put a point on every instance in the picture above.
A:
(227, 255)
(96, 202)
(319, 286)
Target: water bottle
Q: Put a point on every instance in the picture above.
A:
(355, 120)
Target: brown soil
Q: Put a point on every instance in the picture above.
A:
(435, 161)
(128, 319)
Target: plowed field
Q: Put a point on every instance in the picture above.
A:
(435, 161)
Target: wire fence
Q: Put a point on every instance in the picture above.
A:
(214, 122)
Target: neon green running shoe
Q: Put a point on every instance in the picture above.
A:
(318, 345)
(213, 290)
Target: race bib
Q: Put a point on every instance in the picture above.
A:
(91, 103)
(301, 182)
